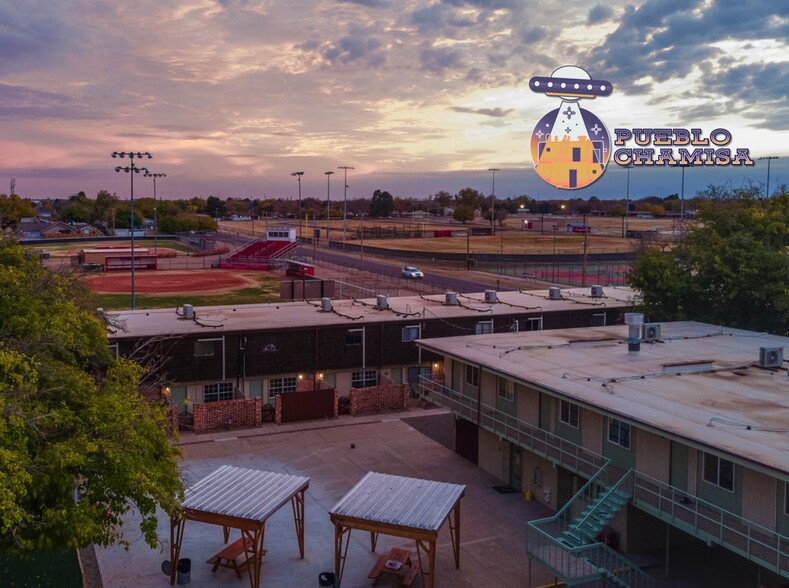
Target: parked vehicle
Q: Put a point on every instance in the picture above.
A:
(412, 272)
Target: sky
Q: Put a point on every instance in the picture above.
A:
(232, 96)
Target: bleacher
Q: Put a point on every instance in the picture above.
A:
(261, 255)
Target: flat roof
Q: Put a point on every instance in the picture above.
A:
(243, 493)
(303, 314)
(401, 501)
(699, 382)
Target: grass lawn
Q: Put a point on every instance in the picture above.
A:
(267, 291)
(55, 569)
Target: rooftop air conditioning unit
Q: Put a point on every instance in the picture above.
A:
(771, 357)
(189, 312)
(451, 298)
(555, 293)
(650, 332)
(381, 302)
(597, 291)
(326, 304)
(491, 297)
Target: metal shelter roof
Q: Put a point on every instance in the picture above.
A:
(243, 493)
(398, 500)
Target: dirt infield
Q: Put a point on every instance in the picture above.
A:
(167, 282)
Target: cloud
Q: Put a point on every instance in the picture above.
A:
(356, 47)
(599, 13)
(494, 112)
(439, 59)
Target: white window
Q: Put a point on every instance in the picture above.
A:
(204, 347)
(619, 433)
(598, 319)
(218, 391)
(568, 413)
(364, 378)
(719, 471)
(484, 327)
(534, 323)
(504, 388)
(281, 386)
(411, 333)
(472, 376)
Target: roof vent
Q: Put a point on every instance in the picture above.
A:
(771, 357)
(597, 291)
(451, 298)
(326, 304)
(555, 293)
(189, 312)
(634, 322)
(491, 297)
(381, 302)
(650, 332)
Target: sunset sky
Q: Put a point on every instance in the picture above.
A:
(231, 96)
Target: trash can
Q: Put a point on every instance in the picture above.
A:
(184, 571)
(328, 579)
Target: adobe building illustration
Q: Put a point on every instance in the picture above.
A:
(570, 146)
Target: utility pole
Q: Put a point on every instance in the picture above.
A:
(493, 201)
(345, 168)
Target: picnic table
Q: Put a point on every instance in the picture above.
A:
(236, 556)
(393, 563)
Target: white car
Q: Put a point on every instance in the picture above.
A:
(412, 272)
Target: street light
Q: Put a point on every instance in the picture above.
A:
(328, 175)
(147, 174)
(628, 167)
(493, 203)
(769, 158)
(345, 168)
(131, 169)
(298, 175)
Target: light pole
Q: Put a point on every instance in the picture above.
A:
(298, 176)
(769, 158)
(493, 202)
(628, 167)
(345, 168)
(131, 169)
(328, 175)
(147, 174)
(682, 201)
(553, 275)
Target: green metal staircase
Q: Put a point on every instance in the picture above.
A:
(567, 544)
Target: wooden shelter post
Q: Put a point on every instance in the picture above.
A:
(176, 537)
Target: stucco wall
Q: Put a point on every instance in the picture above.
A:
(653, 455)
(494, 455)
(592, 424)
(758, 498)
(528, 403)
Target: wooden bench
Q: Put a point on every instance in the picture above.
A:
(229, 556)
(403, 556)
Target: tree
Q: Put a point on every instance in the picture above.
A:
(13, 209)
(382, 204)
(730, 268)
(79, 446)
(463, 213)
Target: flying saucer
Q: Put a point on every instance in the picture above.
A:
(570, 82)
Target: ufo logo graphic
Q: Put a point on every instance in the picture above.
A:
(570, 146)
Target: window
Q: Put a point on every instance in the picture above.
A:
(218, 391)
(598, 320)
(534, 324)
(484, 327)
(568, 413)
(504, 389)
(719, 471)
(204, 347)
(619, 433)
(281, 386)
(576, 154)
(786, 498)
(353, 337)
(364, 378)
(472, 376)
(411, 333)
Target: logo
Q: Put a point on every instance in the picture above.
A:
(570, 146)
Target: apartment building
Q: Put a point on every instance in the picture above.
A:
(642, 438)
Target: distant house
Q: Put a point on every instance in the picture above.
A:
(44, 229)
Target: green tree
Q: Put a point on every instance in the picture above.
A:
(79, 446)
(730, 268)
(13, 209)
(382, 204)
(463, 213)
